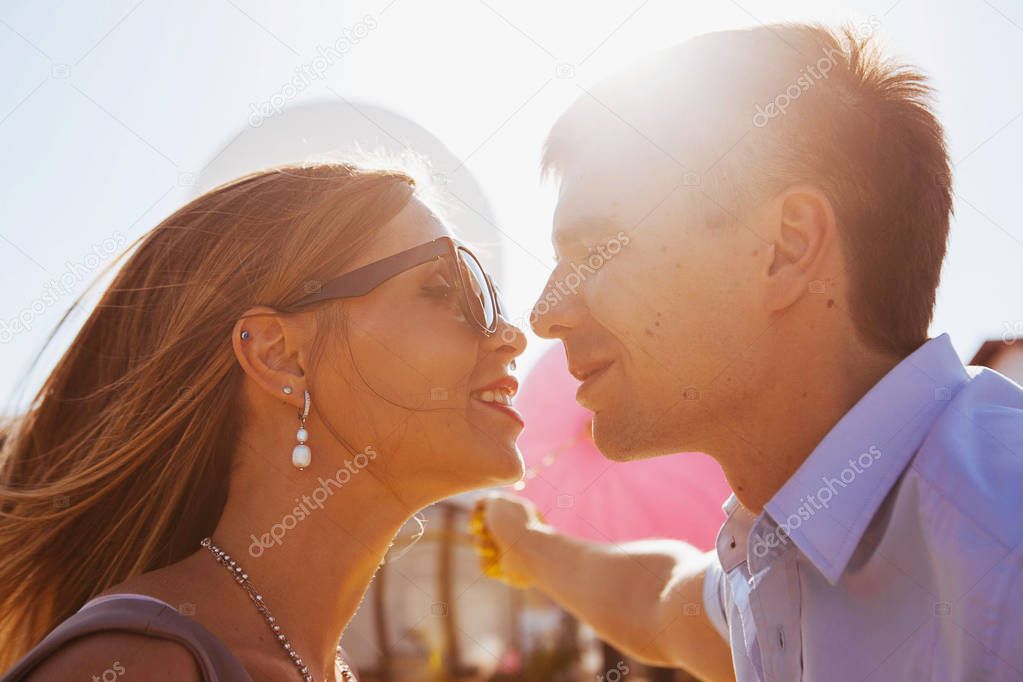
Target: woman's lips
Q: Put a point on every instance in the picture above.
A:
(505, 409)
(498, 395)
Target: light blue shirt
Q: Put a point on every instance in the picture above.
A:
(895, 552)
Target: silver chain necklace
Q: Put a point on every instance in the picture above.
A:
(242, 578)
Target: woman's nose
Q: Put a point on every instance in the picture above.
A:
(508, 338)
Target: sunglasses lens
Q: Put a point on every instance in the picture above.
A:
(502, 308)
(481, 303)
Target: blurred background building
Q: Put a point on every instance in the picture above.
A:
(1003, 355)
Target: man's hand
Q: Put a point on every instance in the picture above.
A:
(500, 523)
(634, 594)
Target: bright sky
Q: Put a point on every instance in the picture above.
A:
(106, 105)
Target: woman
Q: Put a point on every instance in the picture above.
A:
(281, 374)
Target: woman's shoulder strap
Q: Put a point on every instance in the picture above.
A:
(142, 615)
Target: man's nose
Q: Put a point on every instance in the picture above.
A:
(554, 310)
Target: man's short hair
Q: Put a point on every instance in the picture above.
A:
(767, 107)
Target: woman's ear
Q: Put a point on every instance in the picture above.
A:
(802, 237)
(272, 349)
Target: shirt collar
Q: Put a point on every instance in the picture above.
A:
(733, 536)
(828, 502)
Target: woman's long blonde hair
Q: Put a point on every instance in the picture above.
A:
(121, 463)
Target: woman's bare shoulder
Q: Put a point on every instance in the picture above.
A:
(109, 656)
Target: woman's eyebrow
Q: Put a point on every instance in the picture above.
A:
(437, 267)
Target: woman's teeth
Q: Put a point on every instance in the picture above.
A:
(493, 397)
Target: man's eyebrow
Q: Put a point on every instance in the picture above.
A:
(581, 227)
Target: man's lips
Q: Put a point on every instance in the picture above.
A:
(589, 375)
(583, 372)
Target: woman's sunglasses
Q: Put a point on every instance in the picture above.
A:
(479, 299)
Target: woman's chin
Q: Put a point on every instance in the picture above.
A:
(515, 468)
(503, 466)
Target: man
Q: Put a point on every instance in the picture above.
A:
(784, 192)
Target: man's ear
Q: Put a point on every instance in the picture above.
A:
(802, 239)
(271, 349)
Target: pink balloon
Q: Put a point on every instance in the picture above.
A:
(583, 494)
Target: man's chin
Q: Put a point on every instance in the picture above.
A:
(614, 439)
(626, 440)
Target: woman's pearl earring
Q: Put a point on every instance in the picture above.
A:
(301, 456)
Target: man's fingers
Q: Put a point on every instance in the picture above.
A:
(477, 523)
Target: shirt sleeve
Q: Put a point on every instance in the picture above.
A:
(713, 604)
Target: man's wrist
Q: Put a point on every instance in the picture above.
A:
(532, 548)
